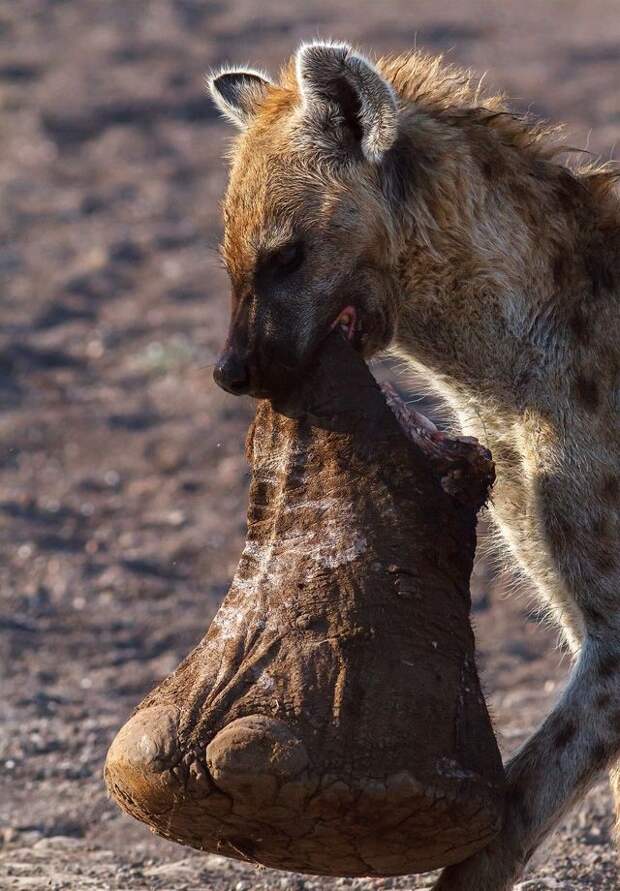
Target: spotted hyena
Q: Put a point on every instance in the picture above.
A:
(400, 202)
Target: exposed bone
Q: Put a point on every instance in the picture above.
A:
(331, 720)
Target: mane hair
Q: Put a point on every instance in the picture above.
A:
(454, 95)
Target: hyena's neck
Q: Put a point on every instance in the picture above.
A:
(491, 265)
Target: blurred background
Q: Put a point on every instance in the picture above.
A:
(122, 479)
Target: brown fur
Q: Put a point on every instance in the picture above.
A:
(493, 268)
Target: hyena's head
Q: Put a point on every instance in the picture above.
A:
(309, 241)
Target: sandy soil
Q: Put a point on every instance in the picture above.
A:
(122, 480)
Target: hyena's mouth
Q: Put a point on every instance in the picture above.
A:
(346, 322)
(457, 460)
(417, 426)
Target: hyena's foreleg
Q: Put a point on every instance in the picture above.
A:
(614, 779)
(552, 770)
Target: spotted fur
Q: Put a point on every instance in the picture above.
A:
(469, 248)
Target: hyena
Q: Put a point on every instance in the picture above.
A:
(396, 200)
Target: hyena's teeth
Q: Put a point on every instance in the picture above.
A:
(424, 422)
(346, 322)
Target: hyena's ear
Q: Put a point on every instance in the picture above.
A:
(332, 77)
(238, 93)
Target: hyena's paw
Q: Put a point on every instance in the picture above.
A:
(495, 868)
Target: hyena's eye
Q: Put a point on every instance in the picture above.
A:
(288, 258)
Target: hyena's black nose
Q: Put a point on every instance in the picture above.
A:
(232, 373)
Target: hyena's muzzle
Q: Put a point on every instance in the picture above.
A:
(268, 349)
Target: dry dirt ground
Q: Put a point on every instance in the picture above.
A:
(122, 481)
